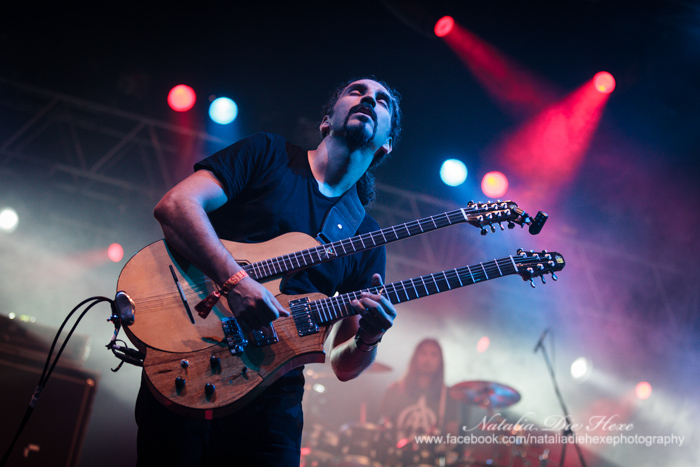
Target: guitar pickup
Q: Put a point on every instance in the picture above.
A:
(234, 335)
(265, 336)
(301, 311)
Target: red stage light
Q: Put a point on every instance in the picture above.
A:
(444, 26)
(181, 98)
(604, 82)
(643, 390)
(494, 184)
(483, 344)
(115, 252)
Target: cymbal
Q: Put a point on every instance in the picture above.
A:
(484, 393)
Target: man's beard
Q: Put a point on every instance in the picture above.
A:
(356, 137)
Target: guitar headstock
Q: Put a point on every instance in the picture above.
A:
(531, 264)
(491, 213)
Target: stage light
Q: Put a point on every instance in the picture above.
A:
(643, 390)
(223, 110)
(181, 98)
(494, 184)
(115, 252)
(444, 26)
(8, 220)
(483, 344)
(581, 369)
(604, 82)
(453, 172)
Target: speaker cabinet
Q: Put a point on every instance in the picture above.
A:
(55, 431)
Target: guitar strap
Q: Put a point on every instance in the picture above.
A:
(343, 219)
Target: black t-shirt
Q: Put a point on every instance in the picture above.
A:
(413, 412)
(272, 191)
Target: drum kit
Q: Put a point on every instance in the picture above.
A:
(362, 444)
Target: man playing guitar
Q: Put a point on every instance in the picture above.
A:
(255, 190)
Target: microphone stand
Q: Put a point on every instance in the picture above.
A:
(567, 429)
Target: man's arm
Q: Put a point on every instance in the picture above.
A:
(376, 315)
(182, 214)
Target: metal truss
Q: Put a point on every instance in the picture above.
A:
(80, 146)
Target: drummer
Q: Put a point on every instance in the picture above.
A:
(418, 403)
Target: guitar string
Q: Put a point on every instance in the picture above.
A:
(173, 298)
(432, 283)
(288, 259)
(414, 227)
(444, 278)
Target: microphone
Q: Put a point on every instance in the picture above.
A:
(123, 307)
(539, 342)
(538, 223)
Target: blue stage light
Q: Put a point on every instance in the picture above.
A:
(453, 172)
(223, 110)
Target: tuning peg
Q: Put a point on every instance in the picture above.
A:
(511, 225)
(500, 224)
(554, 277)
(519, 252)
(493, 229)
(484, 231)
(532, 283)
(543, 280)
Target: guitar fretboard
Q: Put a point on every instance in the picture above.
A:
(322, 253)
(331, 309)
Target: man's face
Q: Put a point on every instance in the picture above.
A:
(362, 115)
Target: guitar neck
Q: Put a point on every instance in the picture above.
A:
(328, 310)
(329, 251)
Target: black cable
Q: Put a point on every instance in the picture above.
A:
(46, 374)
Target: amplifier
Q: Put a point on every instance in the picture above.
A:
(56, 429)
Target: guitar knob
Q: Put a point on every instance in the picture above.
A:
(214, 362)
(209, 389)
(184, 363)
(179, 384)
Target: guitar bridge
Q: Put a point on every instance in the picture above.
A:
(302, 317)
(234, 335)
(265, 336)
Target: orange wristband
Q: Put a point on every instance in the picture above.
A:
(233, 280)
(204, 307)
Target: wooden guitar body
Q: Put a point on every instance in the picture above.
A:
(161, 318)
(236, 379)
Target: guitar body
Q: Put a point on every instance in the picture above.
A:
(237, 379)
(161, 319)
